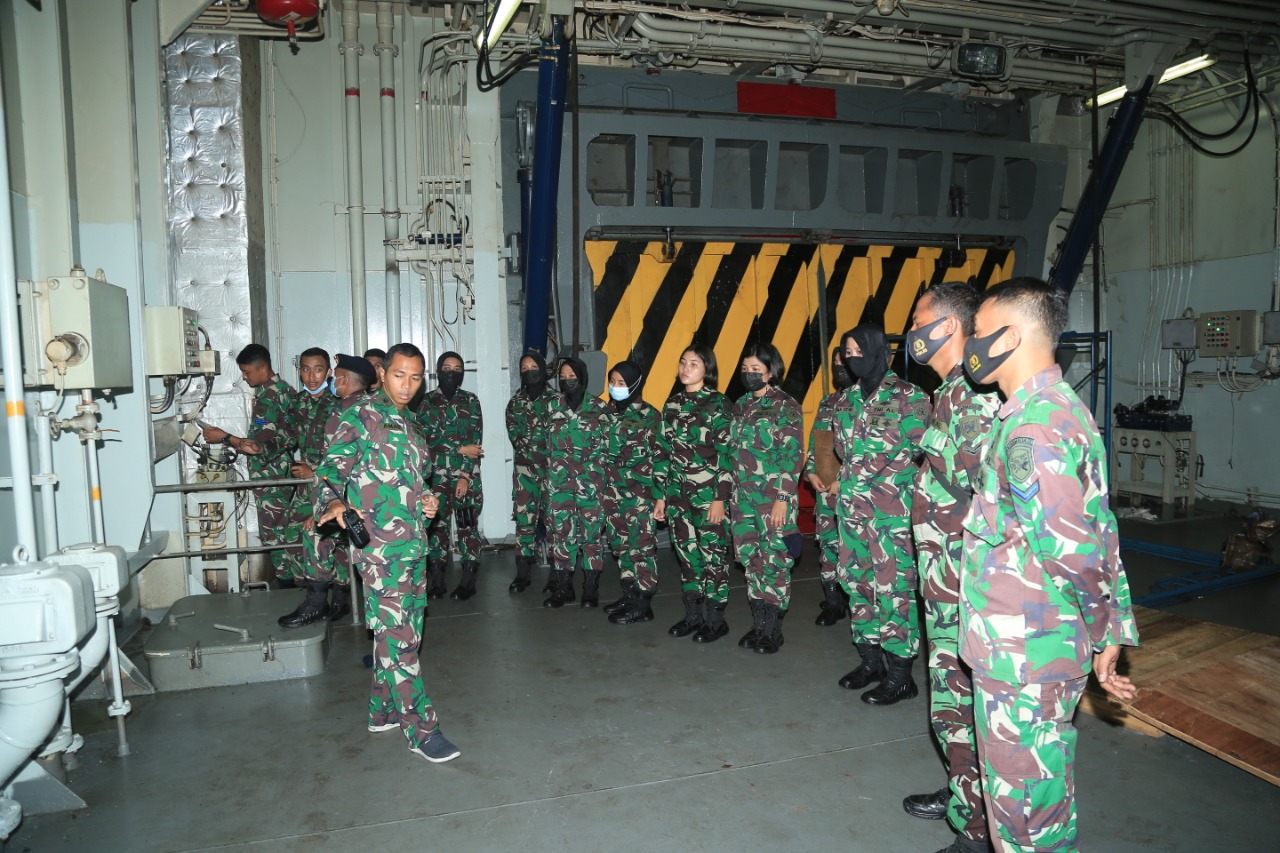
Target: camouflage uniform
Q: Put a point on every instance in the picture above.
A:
(876, 441)
(575, 481)
(693, 468)
(768, 440)
(327, 551)
(527, 429)
(271, 426)
(449, 424)
(310, 415)
(953, 444)
(826, 528)
(382, 457)
(1041, 590)
(629, 494)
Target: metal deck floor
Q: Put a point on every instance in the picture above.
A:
(581, 735)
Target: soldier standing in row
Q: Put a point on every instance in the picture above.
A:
(1044, 599)
(577, 428)
(826, 487)
(450, 418)
(877, 439)
(629, 495)
(768, 442)
(375, 357)
(693, 473)
(269, 446)
(379, 457)
(527, 429)
(953, 446)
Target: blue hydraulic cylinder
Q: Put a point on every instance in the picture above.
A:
(1102, 183)
(553, 64)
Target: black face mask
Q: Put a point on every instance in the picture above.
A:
(858, 365)
(569, 385)
(532, 378)
(840, 377)
(450, 381)
(752, 381)
(922, 347)
(979, 363)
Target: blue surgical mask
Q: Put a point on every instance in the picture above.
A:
(619, 392)
(324, 386)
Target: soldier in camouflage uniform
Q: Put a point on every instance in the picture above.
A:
(693, 473)
(877, 438)
(629, 495)
(768, 442)
(527, 429)
(953, 444)
(381, 459)
(450, 419)
(577, 429)
(269, 447)
(826, 528)
(1043, 596)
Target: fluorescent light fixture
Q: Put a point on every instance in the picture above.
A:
(497, 25)
(1173, 72)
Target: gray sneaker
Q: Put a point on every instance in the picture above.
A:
(437, 749)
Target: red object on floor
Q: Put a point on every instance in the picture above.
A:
(786, 99)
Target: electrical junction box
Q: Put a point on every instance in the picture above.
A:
(80, 321)
(1228, 334)
(1271, 328)
(173, 341)
(1178, 334)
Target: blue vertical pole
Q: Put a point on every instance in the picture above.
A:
(553, 64)
(1102, 183)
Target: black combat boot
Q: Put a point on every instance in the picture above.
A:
(928, 806)
(563, 592)
(715, 627)
(467, 586)
(524, 568)
(435, 585)
(555, 580)
(550, 585)
(748, 640)
(967, 845)
(692, 620)
(770, 638)
(896, 685)
(835, 606)
(869, 671)
(340, 607)
(639, 609)
(312, 609)
(590, 589)
(629, 591)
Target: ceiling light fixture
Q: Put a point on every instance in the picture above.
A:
(1173, 72)
(496, 25)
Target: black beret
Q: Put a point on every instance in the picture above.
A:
(359, 366)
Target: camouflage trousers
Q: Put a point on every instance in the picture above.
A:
(629, 525)
(395, 601)
(576, 533)
(702, 549)
(326, 556)
(1027, 744)
(440, 529)
(529, 499)
(762, 552)
(878, 572)
(826, 530)
(938, 557)
(280, 523)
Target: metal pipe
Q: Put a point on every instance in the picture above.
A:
(48, 491)
(14, 398)
(98, 527)
(246, 549)
(119, 706)
(387, 51)
(233, 486)
(553, 66)
(351, 50)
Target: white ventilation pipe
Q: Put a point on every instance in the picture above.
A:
(351, 50)
(27, 713)
(387, 51)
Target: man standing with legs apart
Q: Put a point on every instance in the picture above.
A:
(1044, 599)
(953, 445)
(380, 459)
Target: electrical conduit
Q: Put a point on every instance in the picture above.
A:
(387, 52)
(351, 50)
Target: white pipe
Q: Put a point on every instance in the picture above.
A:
(98, 529)
(351, 50)
(92, 654)
(14, 400)
(48, 492)
(118, 707)
(27, 714)
(387, 51)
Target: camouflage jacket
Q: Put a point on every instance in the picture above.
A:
(271, 424)
(694, 462)
(1042, 587)
(959, 430)
(768, 441)
(379, 455)
(448, 425)
(527, 429)
(877, 441)
(629, 450)
(310, 415)
(575, 453)
(824, 421)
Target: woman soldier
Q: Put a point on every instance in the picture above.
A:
(834, 607)
(527, 429)
(629, 495)
(768, 442)
(693, 476)
(577, 428)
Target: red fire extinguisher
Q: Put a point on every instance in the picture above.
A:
(289, 14)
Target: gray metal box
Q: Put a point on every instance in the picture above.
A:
(233, 638)
(1178, 334)
(92, 315)
(173, 342)
(1271, 328)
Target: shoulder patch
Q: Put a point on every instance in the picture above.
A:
(1020, 462)
(920, 408)
(969, 429)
